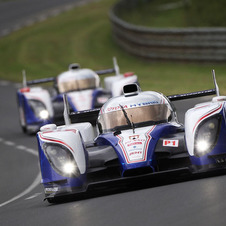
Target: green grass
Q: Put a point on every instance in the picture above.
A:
(193, 13)
(84, 35)
(149, 14)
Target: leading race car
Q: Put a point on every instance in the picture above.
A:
(39, 106)
(138, 138)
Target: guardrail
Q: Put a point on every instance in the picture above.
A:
(186, 44)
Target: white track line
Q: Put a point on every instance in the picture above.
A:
(35, 183)
(37, 180)
(28, 150)
(33, 196)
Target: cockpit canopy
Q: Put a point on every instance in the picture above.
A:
(143, 109)
(77, 79)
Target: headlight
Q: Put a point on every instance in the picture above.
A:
(206, 135)
(39, 109)
(61, 160)
(44, 114)
(69, 167)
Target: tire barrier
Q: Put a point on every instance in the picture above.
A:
(185, 44)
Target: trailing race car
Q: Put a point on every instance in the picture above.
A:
(39, 106)
(138, 137)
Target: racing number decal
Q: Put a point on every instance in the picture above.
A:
(170, 143)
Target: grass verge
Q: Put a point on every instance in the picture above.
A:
(83, 35)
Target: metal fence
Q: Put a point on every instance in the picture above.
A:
(186, 44)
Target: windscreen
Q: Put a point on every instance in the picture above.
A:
(75, 85)
(139, 116)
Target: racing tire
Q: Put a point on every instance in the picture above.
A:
(56, 200)
(24, 129)
(23, 123)
(51, 200)
(22, 119)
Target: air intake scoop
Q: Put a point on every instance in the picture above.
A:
(131, 90)
(74, 66)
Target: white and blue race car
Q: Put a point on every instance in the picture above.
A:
(133, 137)
(40, 105)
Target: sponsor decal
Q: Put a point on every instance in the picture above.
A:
(134, 143)
(51, 190)
(109, 109)
(170, 143)
(135, 153)
(116, 108)
(135, 147)
(134, 137)
(143, 104)
(25, 90)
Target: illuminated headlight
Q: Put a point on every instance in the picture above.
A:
(69, 168)
(44, 114)
(202, 145)
(39, 109)
(61, 160)
(206, 135)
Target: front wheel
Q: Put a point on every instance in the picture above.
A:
(51, 200)
(22, 119)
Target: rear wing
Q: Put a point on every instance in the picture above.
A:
(92, 114)
(184, 96)
(202, 93)
(39, 81)
(106, 71)
(111, 70)
(53, 79)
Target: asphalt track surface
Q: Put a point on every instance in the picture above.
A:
(190, 202)
(15, 14)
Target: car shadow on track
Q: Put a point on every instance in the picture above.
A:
(130, 186)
